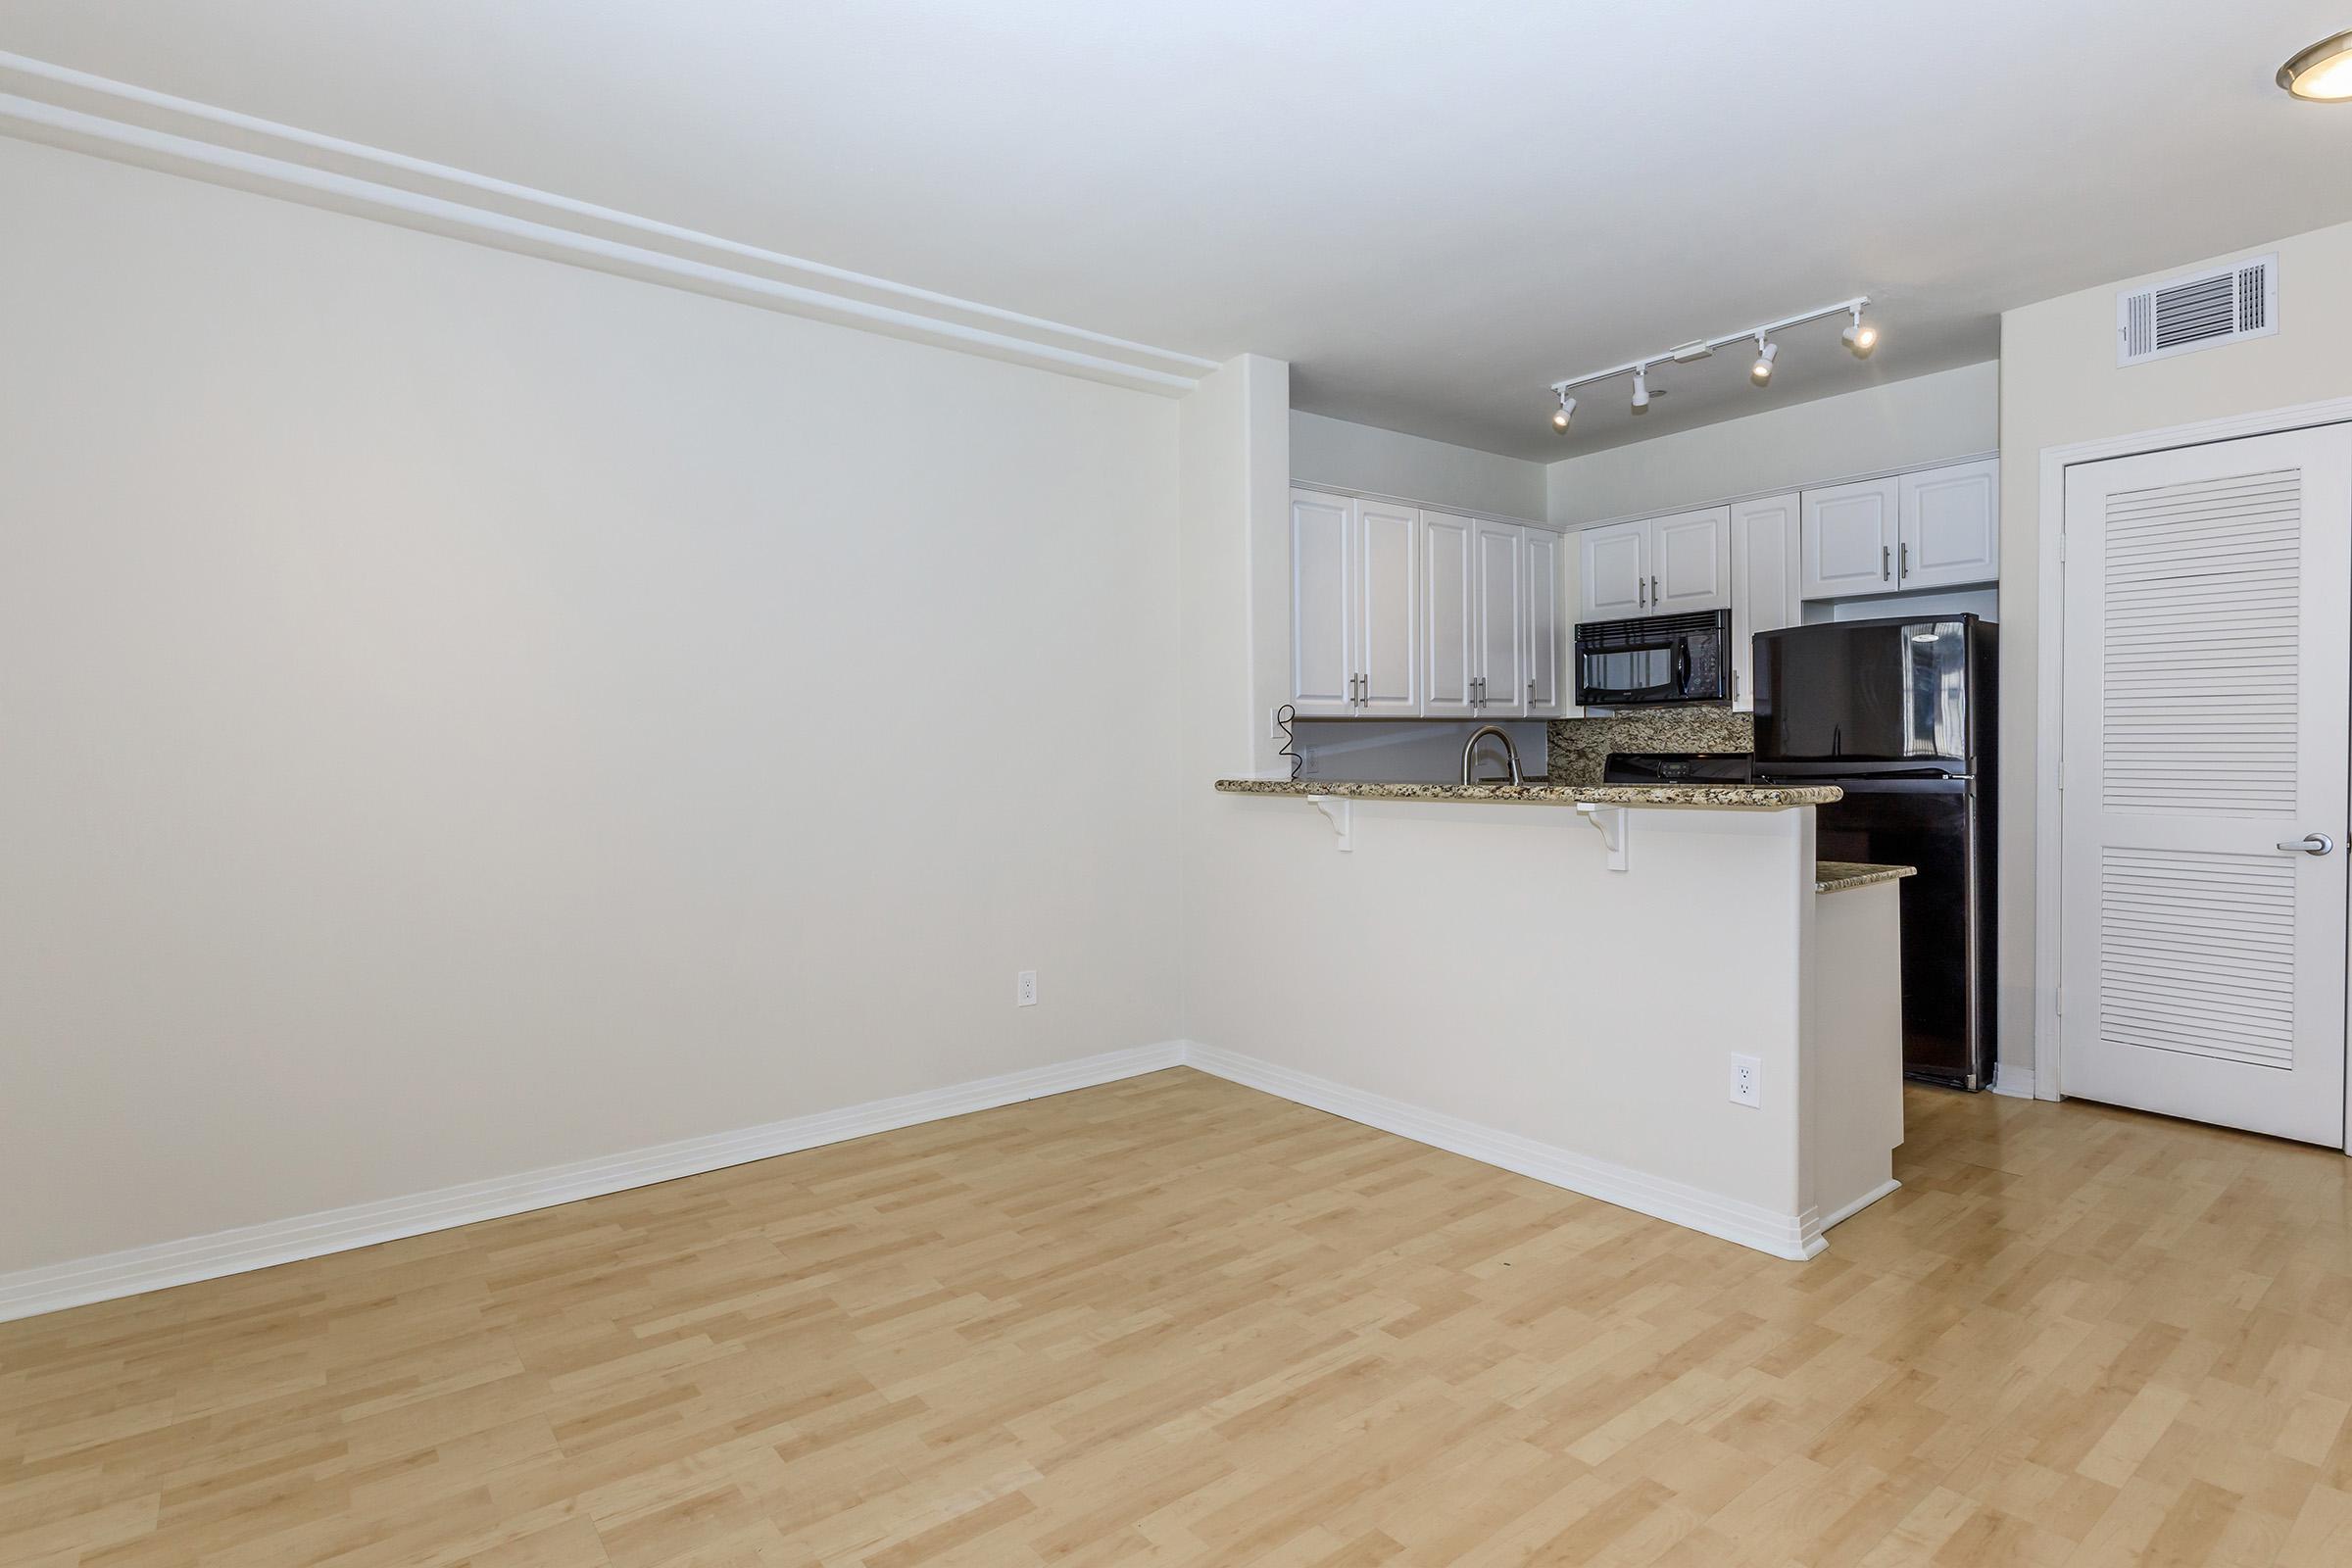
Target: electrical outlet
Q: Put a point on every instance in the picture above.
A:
(1747, 1081)
(1024, 988)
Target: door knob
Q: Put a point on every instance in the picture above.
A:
(2310, 844)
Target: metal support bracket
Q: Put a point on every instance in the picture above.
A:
(1610, 822)
(1340, 813)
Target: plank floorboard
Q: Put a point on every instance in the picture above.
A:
(1175, 1321)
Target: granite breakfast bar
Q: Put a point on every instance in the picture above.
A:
(1783, 986)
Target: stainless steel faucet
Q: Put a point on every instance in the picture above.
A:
(1470, 748)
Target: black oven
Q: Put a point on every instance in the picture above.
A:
(1655, 658)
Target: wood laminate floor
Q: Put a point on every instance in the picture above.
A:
(1175, 1321)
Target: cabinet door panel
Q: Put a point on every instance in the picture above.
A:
(1764, 583)
(1691, 561)
(1613, 571)
(1388, 552)
(1322, 605)
(1951, 526)
(1449, 621)
(1849, 539)
(1546, 657)
(1499, 554)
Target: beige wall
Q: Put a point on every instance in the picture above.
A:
(466, 713)
(2059, 384)
(1898, 424)
(1362, 457)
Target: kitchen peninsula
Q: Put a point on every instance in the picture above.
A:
(1690, 952)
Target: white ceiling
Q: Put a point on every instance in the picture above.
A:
(1432, 211)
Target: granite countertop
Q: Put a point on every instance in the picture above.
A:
(1747, 797)
(1836, 876)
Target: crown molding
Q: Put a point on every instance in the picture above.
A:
(58, 107)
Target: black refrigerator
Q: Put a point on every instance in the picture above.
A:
(1903, 714)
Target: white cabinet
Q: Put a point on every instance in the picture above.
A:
(1613, 573)
(1849, 534)
(1396, 613)
(1936, 528)
(1355, 597)
(1765, 593)
(1387, 549)
(1691, 562)
(1323, 666)
(1951, 526)
(1499, 562)
(1547, 652)
(1450, 620)
(1660, 565)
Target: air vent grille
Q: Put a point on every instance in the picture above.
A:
(2197, 312)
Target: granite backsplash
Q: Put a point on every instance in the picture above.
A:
(1577, 748)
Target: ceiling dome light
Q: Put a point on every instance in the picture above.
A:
(1761, 371)
(1564, 412)
(1641, 389)
(1859, 338)
(2322, 73)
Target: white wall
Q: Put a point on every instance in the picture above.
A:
(1896, 424)
(466, 713)
(1362, 457)
(2059, 384)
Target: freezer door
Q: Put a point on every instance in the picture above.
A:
(1866, 690)
(1948, 1022)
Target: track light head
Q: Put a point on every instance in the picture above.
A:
(1641, 389)
(1563, 413)
(1766, 351)
(1859, 338)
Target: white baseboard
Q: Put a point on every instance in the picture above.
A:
(1861, 1203)
(29, 1291)
(2015, 1082)
(1791, 1236)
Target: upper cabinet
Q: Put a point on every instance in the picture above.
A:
(1951, 531)
(1765, 593)
(1388, 543)
(1848, 538)
(1936, 528)
(1691, 562)
(1449, 620)
(1660, 565)
(1355, 597)
(1397, 613)
(1614, 576)
(1546, 628)
(1325, 672)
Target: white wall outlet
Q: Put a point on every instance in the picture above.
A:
(1747, 1081)
(1024, 988)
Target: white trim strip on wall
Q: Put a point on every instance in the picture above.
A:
(50, 104)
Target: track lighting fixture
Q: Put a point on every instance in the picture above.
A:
(1859, 338)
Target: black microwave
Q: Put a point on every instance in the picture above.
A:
(1653, 659)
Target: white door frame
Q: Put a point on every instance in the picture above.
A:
(2050, 684)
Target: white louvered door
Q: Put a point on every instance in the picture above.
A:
(2208, 650)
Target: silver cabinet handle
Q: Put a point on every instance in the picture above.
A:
(1906, 555)
(1641, 587)
(1653, 592)
(1531, 690)
(2310, 844)
(1885, 570)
